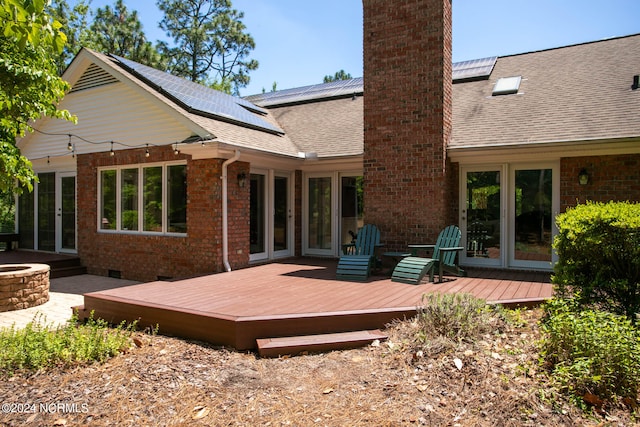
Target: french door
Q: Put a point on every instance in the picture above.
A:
(507, 214)
(270, 223)
(333, 211)
(47, 216)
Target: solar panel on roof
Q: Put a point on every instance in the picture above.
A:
(201, 99)
(474, 69)
(306, 93)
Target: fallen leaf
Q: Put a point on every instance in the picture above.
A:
(592, 399)
(138, 342)
(422, 387)
(375, 343)
(60, 422)
(200, 411)
(630, 402)
(458, 363)
(327, 391)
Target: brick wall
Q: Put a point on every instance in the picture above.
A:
(147, 257)
(610, 178)
(407, 119)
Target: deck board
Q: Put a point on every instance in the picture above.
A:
(301, 296)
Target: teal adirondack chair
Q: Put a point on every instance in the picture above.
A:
(358, 257)
(443, 259)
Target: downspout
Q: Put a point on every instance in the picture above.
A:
(225, 214)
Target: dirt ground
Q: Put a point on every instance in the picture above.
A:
(163, 381)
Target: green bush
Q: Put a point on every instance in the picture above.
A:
(39, 345)
(453, 316)
(598, 249)
(590, 351)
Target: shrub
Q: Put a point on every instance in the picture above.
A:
(39, 345)
(453, 316)
(598, 249)
(590, 351)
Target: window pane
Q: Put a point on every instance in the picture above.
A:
(129, 199)
(152, 198)
(177, 199)
(108, 205)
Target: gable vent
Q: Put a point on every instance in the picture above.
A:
(93, 76)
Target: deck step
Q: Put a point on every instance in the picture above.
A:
(274, 347)
(59, 272)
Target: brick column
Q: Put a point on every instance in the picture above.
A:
(407, 118)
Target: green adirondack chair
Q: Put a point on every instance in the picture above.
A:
(443, 259)
(358, 257)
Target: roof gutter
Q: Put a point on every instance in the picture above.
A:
(225, 213)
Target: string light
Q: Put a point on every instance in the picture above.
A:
(71, 146)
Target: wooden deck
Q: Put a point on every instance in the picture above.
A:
(296, 297)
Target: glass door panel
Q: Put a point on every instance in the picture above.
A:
(533, 215)
(257, 223)
(351, 211)
(46, 212)
(281, 213)
(481, 217)
(26, 216)
(68, 213)
(319, 214)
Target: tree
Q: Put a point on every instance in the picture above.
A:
(339, 75)
(30, 86)
(209, 38)
(118, 31)
(76, 27)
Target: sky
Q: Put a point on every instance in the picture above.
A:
(298, 42)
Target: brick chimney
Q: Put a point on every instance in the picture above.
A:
(409, 192)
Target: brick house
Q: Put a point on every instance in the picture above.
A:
(164, 178)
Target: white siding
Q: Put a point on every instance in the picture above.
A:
(114, 112)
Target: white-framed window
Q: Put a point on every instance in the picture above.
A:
(149, 198)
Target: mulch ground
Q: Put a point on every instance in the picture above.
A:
(495, 381)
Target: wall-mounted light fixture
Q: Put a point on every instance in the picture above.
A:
(242, 179)
(583, 177)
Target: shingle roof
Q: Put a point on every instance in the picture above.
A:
(574, 93)
(330, 128)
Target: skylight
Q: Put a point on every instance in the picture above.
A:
(507, 85)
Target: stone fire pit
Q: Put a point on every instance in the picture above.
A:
(23, 286)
